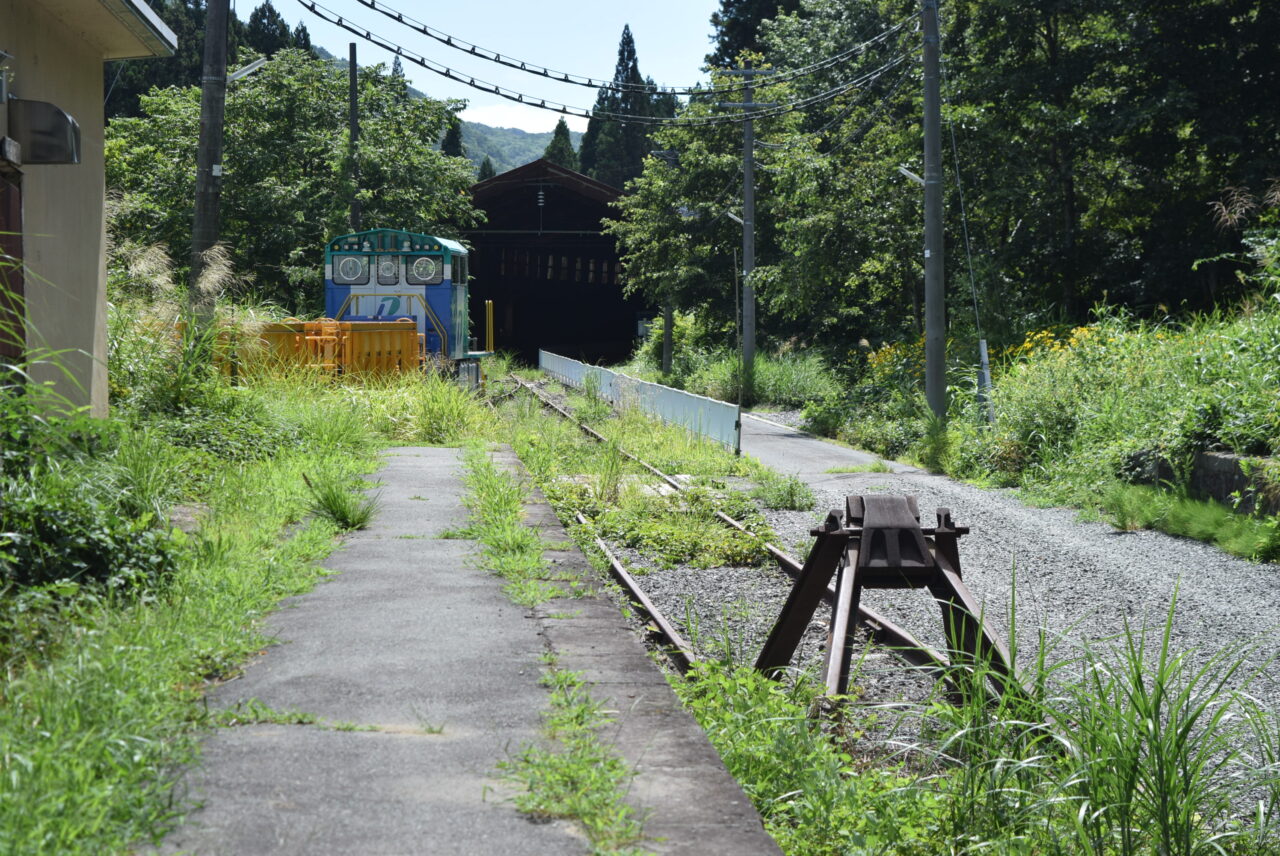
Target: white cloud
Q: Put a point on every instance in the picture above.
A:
(511, 115)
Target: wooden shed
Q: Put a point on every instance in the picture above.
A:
(553, 276)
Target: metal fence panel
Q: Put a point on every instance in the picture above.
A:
(718, 420)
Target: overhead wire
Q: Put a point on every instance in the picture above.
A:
(558, 107)
(964, 214)
(862, 130)
(599, 83)
(843, 114)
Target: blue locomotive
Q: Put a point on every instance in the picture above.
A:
(389, 275)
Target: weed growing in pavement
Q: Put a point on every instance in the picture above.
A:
(879, 465)
(579, 777)
(334, 500)
(254, 712)
(788, 492)
(511, 550)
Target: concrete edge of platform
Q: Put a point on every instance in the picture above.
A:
(692, 805)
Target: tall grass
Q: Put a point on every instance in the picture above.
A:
(91, 725)
(1126, 747)
(99, 702)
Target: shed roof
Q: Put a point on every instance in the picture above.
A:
(542, 171)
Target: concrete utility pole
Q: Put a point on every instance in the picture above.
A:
(935, 313)
(748, 228)
(748, 243)
(213, 94)
(353, 101)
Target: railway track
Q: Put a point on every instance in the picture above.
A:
(880, 629)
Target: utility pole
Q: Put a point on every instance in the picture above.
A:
(748, 242)
(748, 227)
(935, 313)
(353, 102)
(213, 95)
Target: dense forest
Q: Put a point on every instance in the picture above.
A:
(1096, 152)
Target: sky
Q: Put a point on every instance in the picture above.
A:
(576, 36)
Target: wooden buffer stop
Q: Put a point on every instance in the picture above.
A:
(881, 545)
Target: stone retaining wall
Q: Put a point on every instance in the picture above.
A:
(1219, 476)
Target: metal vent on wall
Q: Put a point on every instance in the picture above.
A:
(46, 132)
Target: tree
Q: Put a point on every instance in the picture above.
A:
(125, 81)
(287, 183)
(301, 39)
(486, 169)
(267, 31)
(451, 145)
(737, 25)
(613, 151)
(560, 149)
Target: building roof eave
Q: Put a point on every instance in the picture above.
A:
(543, 170)
(152, 33)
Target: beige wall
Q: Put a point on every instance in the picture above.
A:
(63, 203)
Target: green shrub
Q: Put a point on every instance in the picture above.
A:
(228, 425)
(827, 415)
(53, 529)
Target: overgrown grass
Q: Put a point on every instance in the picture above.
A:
(784, 491)
(702, 364)
(1130, 507)
(112, 622)
(1075, 409)
(577, 776)
(626, 503)
(95, 716)
(1146, 750)
(815, 797)
(335, 500)
(511, 549)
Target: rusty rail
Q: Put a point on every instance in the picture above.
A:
(678, 649)
(883, 631)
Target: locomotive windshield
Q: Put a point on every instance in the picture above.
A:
(388, 270)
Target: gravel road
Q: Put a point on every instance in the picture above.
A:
(1081, 582)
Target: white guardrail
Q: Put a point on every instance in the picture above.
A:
(717, 420)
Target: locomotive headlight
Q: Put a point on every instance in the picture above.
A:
(424, 268)
(351, 269)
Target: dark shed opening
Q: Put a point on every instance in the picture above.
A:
(554, 278)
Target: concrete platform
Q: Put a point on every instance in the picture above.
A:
(426, 678)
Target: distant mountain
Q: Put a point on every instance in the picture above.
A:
(508, 148)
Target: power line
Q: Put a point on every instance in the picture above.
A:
(596, 83)
(843, 114)
(558, 107)
(865, 127)
(964, 213)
